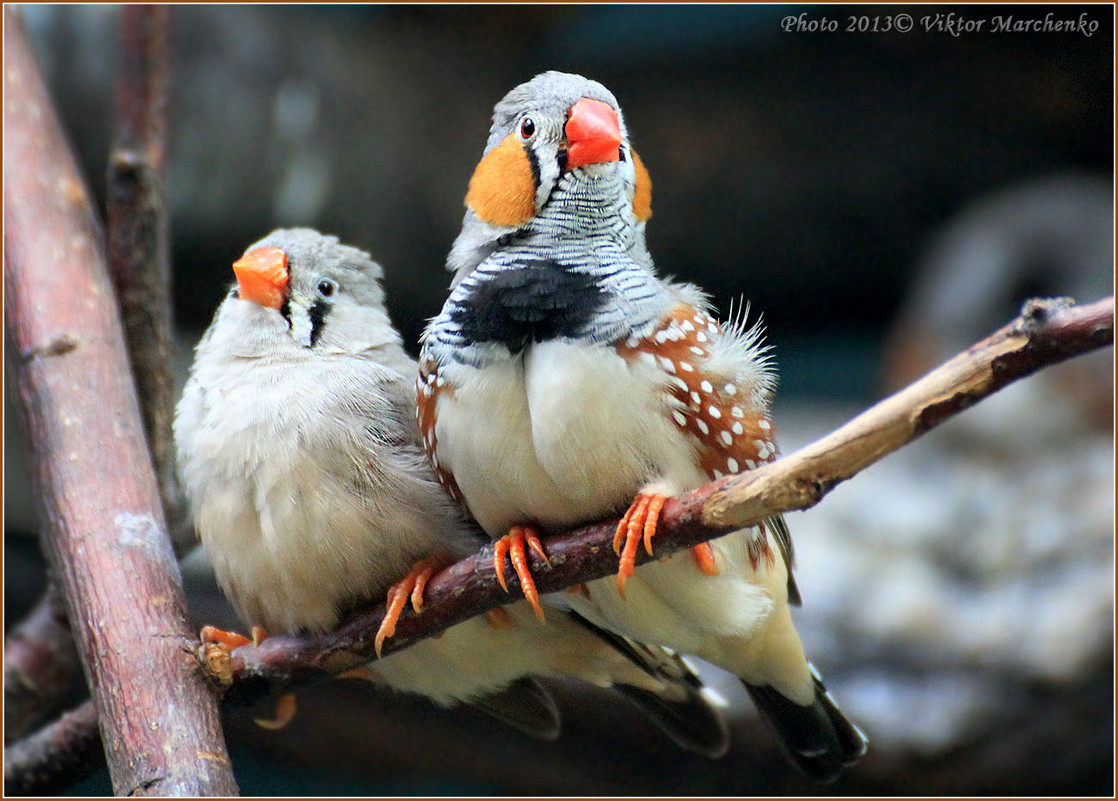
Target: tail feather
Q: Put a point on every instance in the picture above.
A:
(682, 706)
(819, 739)
(691, 722)
(524, 705)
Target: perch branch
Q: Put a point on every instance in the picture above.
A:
(137, 236)
(96, 493)
(56, 756)
(1047, 332)
(41, 666)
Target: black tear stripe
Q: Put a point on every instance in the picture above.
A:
(537, 301)
(534, 163)
(285, 311)
(318, 313)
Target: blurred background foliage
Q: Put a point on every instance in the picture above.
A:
(882, 200)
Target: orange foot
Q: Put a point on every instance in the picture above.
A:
(364, 673)
(641, 519)
(283, 714)
(640, 522)
(231, 640)
(513, 545)
(704, 558)
(410, 586)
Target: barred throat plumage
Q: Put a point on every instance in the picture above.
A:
(570, 272)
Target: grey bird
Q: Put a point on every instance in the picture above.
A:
(301, 458)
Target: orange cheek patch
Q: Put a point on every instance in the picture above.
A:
(502, 190)
(642, 193)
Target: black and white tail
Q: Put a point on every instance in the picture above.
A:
(819, 739)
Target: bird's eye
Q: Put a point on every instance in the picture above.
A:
(527, 128)
(327, 286)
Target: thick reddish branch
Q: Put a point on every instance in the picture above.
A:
(1047, 333)
(41, 667)
(98, 500)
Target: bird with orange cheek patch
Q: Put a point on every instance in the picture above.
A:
(563, 381)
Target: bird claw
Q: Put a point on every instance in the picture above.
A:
(216, 651)
(704, 558)
(638, 523)
(513, 544)
(230, 640)
(500, 619)
(411, 586)
(284, 713)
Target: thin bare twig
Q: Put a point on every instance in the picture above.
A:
(41, 667)
(138, 240)
(99, 505)
(1047, 332)
(56, 756)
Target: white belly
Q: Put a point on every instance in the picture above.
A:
(276, 502)
(566, 435)
(672, 602)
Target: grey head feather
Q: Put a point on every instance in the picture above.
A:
(306, 246)
(550, 94)
(355, 320)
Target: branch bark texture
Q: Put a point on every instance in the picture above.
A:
(138, 237)
(99, 505)
(1046, 333)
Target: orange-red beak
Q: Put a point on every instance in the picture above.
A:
(593, 133)
(262, 276)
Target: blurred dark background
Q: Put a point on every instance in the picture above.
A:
(882, 199)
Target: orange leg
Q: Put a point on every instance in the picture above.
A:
(411, 586)
(640, 520)
(513, 545)
(704, 558)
